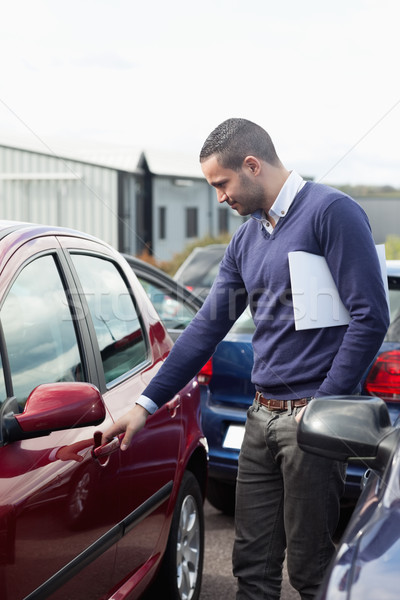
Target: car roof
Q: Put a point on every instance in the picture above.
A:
(213, 248)
(13, 234)
(35, 229)
(393, 268)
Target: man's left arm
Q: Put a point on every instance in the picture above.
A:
(352, 258)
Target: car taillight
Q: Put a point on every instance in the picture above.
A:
(205, 374)
(384, 377)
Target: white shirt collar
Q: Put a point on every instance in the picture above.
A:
(280, 207)
(290, 188)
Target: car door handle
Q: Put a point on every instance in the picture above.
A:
(173, 405)
(101, 451)
(107, 449)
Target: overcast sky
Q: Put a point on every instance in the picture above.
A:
(322, 76)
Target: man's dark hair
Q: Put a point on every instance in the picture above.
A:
(234, 139)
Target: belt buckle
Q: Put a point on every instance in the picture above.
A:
(275, 407)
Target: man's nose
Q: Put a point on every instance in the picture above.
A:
(221, 197)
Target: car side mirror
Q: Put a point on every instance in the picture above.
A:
(54, 406)
(347, 427)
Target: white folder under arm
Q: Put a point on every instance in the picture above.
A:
(316, 300)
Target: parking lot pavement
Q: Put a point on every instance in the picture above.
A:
(218, 581)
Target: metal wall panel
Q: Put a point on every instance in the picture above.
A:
(51, 190)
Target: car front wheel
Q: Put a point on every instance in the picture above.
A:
(181, 572)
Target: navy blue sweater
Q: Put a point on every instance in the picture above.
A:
(290, 364)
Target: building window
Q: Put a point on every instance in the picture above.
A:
(223, 220)
(162, 228)
(191, 223)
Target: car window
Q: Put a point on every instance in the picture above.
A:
(38, 330)
(115, 319)
(393, 333)
(173, 312)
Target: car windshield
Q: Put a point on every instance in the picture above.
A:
(202, 269)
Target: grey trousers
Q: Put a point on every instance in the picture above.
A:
(287, 501)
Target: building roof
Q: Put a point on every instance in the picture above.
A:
(118, 157)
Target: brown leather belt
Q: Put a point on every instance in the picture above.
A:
(273, 404)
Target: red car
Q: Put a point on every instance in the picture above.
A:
(79, 340)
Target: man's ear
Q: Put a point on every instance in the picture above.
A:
(252, 164)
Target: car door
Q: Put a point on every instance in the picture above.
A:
(48, 484)
(130, 345)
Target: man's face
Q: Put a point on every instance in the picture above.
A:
(239, 189)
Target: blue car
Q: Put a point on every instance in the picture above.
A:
(228, 392)
(366, 564)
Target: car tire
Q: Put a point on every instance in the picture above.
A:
(182, 567)
(221, 495)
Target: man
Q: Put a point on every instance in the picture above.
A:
(287, 500)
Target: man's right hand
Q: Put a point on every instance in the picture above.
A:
(130, 423)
